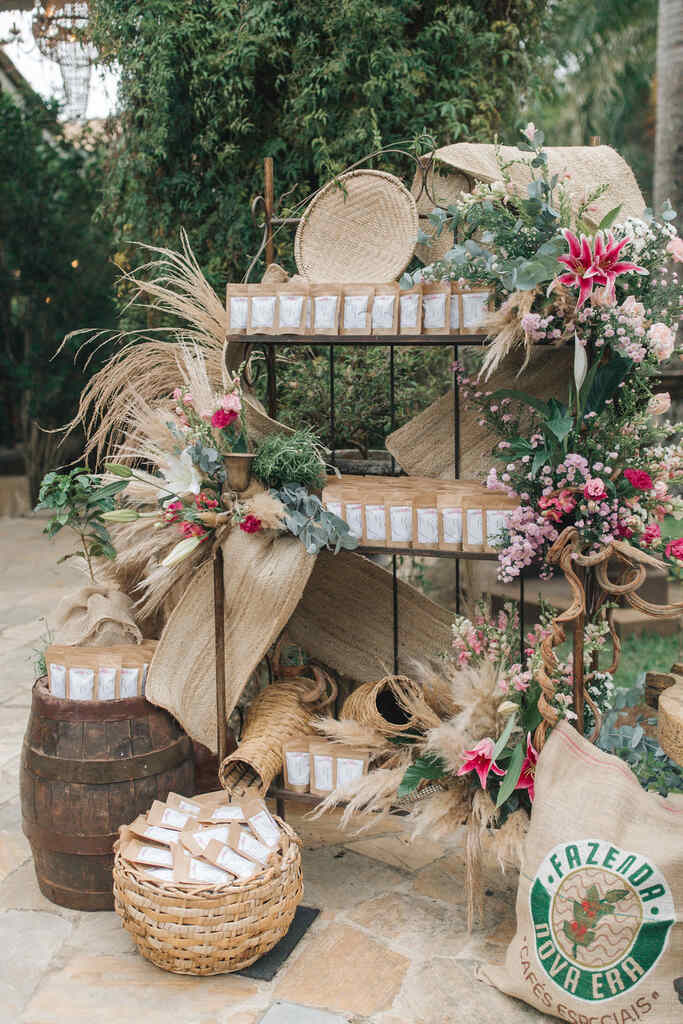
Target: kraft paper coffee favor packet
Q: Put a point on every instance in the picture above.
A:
(436, 307)
(147, 853)
(262, 309)
(155, 833)
(410, 310)
(243, 841)
(159, 874)
(356, 309)
(450, 521)
(261, 822)
(237, 302)
(192, 870)
(220, 812)
(323, 768)
(473, 522)
(385, 309)
(353, 515)
(326, 302)
(497, 509)
(181, 803)
(374, 518)
(197, 840)
(425, 520)
(228, 859)
(399, 518)
(170, 817)
(296, 764)
(350, 764)
(292, 302)
(475, 307)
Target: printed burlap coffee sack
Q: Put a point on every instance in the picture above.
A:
(600, 900)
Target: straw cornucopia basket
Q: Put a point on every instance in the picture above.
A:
(210, 929)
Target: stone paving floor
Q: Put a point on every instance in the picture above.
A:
(390, 946)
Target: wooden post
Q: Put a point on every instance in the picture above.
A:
(579, 625)
(595, 140)
(269, 198)
(219, 629)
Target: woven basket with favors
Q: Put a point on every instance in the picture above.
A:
(207, 886)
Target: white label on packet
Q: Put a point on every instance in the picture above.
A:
(354, 518)
(161, 835)
(409, 307)
(383, 311)
(185, 805)
(239, 311)
(335, 507)
(474, 308)
(298, 767)
(401, 522)
(81, 683)
(106, 684)
(355, 312)
(176, 819)
(163, 874)
(290, 310)
(227, 812)
(452, 525)
(129, 682)
(455, 312)
(265, 827)
(152, 855)
(348, 770)
(253, 848)
(237, 865)
(495, 524)
(434, 310)
(375, 522)
(475, 526)
(200, 871)
(58, 680)
(263, 311)
(322, 771)
(325, 312)
(205, 836)
(428, 526)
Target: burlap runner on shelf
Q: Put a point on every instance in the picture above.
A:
(424, 446)
(98, 615)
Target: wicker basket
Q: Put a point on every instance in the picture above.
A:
(382, 705)
(213, 929)
(360, 227)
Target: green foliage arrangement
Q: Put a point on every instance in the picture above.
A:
(290, 459)
(208, 90)
(78, 500)
(55, 273)
(315, 527)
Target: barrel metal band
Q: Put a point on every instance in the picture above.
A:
(97, 773)
(68, 842)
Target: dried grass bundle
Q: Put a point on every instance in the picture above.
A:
(352, 734)
(504, 326)
(508, 840)
(372, 796)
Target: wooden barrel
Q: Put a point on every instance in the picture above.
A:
(88, 767)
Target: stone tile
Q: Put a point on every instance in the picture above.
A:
(399, 850)
(113, 989)
(344, 970)
(327, 830)
(100, 932)
(416, 926)
(293, 1013)
(28, 942)
(10, 815)
(441, 991)
(335, 879)
(14, 851)
(20, 892)
(9, 779)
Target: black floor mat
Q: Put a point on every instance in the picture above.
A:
(267, 967)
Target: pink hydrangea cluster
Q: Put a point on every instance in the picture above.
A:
(529, 534)
(537, 327)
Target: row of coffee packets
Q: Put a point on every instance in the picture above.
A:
(98, 673)
(409, 513)
(205, 841)
(313, 765)
(296, 307)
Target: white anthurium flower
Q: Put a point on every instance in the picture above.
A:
(182, 549)
(181, 476)
(580, 362)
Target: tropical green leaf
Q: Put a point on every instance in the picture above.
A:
(427, 767)
(505, 735)
(560, 421)
(606, 381)
(512, 775)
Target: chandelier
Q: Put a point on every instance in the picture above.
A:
(60, 32)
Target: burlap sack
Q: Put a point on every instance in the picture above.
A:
(600, 899)
(96, 616)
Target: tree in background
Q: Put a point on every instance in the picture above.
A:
(208, 89)
(55, 275)
(669, 154)
(597, 78)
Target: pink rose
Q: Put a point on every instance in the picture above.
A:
(222, 419)
(639, 479)
(661, 489)
(594, 489)
(232, 402)
(675, 247)
(674, 549)
(659, 403)
(651, 532)
(661, 341)
(632, 308)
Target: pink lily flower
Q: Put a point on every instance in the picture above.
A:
(480, 760)
(527, 776)
(579, 263)
(606, 265)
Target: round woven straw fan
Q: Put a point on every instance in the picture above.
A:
(361, 227)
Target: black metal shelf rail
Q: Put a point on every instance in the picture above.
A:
(456, 342)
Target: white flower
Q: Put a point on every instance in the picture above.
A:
(181, 551)
(181, 475)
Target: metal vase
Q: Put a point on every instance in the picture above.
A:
(238, 470)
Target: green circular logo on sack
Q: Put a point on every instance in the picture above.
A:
(601, 918)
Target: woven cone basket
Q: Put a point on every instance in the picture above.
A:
(210, 929)
(382, 705)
